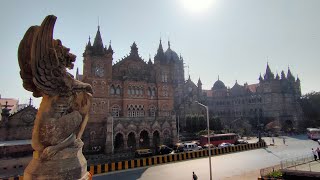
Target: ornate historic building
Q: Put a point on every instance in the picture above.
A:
(136, 104)
(133, 100)
(274, 98)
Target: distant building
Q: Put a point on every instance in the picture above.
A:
(11, 103)
(274, 98)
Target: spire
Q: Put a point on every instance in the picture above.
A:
(289, 75)
(168, 44)
(298, 80)
(134, 49)
(149, 62)
(277, 77)
(30, 100)
(260, 77)
(283, 76)
(160, 49)
(160, 53)
(109, 50)
(98, 44)
(199, 82)
(89, 42)
(218, 78)
(269, 75)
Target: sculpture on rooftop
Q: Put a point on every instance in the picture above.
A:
(63, 112)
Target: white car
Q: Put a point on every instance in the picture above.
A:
(191, 147)
(225, 145)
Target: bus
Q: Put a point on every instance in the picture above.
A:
(217, 139)
(313, 133)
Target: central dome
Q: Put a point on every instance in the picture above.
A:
(171, 55)
(218, 85)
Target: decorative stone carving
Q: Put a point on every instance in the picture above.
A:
(63, 112)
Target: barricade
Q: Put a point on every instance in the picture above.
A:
(149, 161)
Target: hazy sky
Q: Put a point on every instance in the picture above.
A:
(231, 38)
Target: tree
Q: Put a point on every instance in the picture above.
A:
(310, 104)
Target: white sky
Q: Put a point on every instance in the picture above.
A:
(230, 38)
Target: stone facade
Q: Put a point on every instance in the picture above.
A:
(133, 100)
(19, 125)
(273, 99)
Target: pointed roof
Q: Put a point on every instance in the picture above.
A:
(110, 50)
(268, 75)
(160, 53)
(283, 75)
(98, 44)
(199, 82)
(298, 79)
(134, 49)
(277, 77)
(260, 77)
(289, 75)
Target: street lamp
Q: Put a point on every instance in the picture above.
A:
(208, 127)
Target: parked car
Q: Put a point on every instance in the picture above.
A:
(206, 146)
(191, 147)
(143, 153)
(178, 147)
(222, 145)
(241, 141)
(163, 149)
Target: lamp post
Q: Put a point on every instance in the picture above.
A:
(208, 127)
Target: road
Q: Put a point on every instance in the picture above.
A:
(241, 165)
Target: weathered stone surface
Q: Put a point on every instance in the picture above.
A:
(63, 112)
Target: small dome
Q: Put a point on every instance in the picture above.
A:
(171, 55)
(218, 85)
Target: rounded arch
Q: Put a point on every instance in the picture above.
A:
(131, 142)
(144, 140)
(167, 137)
(119, 142)
(156, 138)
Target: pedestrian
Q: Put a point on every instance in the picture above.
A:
(314, 154)
(194, 176)
(284, 141)
(273, 140)
(318, 152)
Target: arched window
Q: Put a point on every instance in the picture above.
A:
(149, 91)
(118, 90)
(115, 110)
(152, 111)
(112, 90)
(153, 92)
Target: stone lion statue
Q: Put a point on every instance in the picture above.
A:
(63, 112)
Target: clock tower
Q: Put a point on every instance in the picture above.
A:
(97, 65)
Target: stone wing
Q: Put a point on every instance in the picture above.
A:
(49, 60)
(24, 59)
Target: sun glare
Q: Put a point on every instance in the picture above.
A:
(197, 6)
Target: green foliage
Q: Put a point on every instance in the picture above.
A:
(275, 174)
(310, 104)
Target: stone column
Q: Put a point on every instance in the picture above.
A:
(125, 143)
(109, 138)
(138, 142)
(174, 130)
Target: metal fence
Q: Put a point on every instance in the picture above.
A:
(296, 161)
(288, 163)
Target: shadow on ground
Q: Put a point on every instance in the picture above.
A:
(123, 175)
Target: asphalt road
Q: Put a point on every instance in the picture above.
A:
(241, 165)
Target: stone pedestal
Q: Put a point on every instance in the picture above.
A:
(66, 164)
